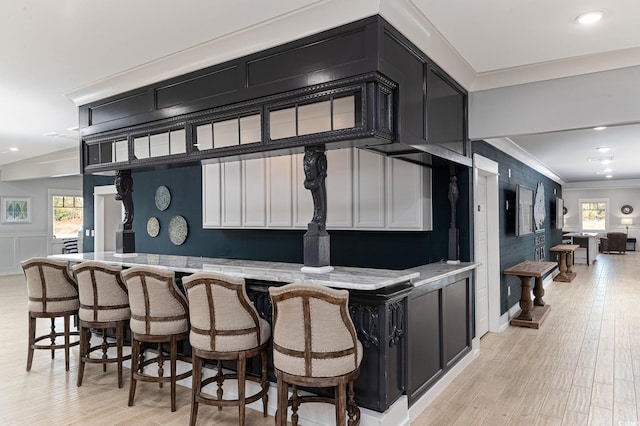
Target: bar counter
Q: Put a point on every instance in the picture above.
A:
(414, 324)
(341, 277)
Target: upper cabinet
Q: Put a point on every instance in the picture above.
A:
(365, 191)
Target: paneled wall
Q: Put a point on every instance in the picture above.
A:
(20, 241)
(515, 249)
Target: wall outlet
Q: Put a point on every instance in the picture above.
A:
(508, 291)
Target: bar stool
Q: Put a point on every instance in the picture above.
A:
(104, 305)
(225, 326)
(53, 293)
(314, 345)
(158, 315)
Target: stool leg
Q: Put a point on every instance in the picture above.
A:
(265, 382)
(105, 348)
(242, 369)
(196, 384)
(135, 350)
(32, 340)
(83, 350)
(53, 337)
(219, 381)
(341, 404)
(283, 401)
(67, 340)
(173, 357)
(294, 405)
(353, 411)
(119, 344)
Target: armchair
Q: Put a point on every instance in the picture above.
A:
(614, 241)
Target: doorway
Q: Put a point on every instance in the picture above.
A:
(486, 245)
(108, 213)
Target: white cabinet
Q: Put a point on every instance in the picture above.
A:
(408, 196)
(303, 203)
(211, 195)
(279, 192)
(253, 190)
(365, 191)
(231, 194)
(369, 190)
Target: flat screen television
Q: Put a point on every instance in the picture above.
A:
(557, 213)
(524, 210)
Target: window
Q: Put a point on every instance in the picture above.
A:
(67, 216)
(594, 214)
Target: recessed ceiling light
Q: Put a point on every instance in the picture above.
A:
(600, 128)
(601, 160)
(603, 148)
(14, 149)
(589, 17)
(609, 176)
(607, 170)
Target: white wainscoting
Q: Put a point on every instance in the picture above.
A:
(15, 248)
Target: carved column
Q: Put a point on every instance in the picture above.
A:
(316, 239)
(125, 236)
(453, 195)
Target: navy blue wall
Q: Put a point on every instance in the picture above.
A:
(391, 250)
(515, 249)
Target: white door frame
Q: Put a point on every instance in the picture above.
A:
(99, 194)
(489, 168)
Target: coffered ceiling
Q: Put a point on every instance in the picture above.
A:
(59, 53)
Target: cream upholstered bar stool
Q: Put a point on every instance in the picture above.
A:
(225, 326)
(314, 345)
(53, 293)
(159, 314)
(104, 305)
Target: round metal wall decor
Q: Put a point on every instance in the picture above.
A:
(178, 230)
(163, 198)
(626, 209)
(153, 227)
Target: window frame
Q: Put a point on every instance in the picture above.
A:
(606, 203)
(60, 193)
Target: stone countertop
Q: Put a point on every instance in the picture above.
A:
(433, 272)
(341, 277)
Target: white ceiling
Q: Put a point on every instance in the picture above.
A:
(57, 50)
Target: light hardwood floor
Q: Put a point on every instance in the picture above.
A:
(581, 367)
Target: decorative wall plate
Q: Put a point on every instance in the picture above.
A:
(178, 229)
(163, 198)
(626, 209)
(153, 227)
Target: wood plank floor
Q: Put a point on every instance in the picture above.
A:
(581, 367)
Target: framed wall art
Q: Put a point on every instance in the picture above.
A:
(15, 210)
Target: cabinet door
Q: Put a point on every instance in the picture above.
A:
(279, 192)
(231, 194)
(303, 203)
(254, 193)
(211, 215)
(339, 188)
(408, 196)
(369, 189)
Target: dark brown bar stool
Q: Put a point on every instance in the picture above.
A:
(104, 305)
(53, 293)
(159, 314)
(225, 326)
(314, 345)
